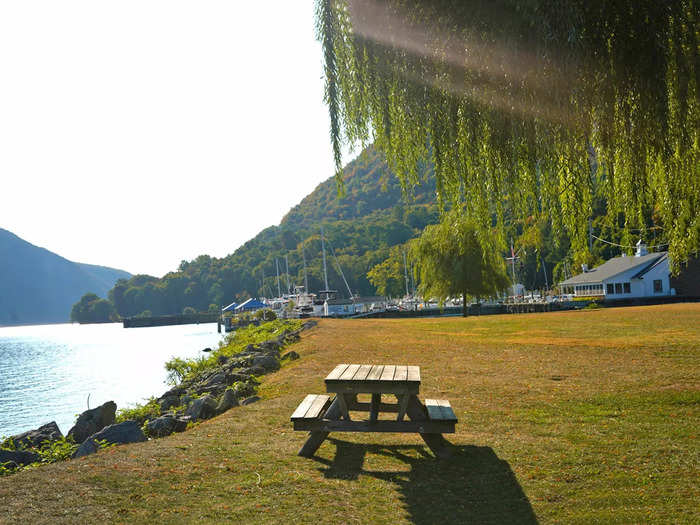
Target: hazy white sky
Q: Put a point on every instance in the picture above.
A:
(135, 134)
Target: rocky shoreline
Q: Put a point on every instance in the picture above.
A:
(230, 384)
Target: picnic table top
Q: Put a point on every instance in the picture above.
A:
(377, 374)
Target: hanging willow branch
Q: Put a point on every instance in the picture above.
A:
(530, 108)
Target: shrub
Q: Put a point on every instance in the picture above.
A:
(140, 413)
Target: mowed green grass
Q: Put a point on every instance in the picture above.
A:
(575, 417)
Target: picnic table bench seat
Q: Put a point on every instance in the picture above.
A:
(440, 410)
(313, 406)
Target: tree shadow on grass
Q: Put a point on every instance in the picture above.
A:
(472, 486)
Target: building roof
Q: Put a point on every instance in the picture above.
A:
(251, 304)
(615, 266)
(229, 308)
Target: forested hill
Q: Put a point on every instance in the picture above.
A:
(360, 227)
(37, 286)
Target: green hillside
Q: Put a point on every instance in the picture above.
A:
(37, 286)
(360, 227)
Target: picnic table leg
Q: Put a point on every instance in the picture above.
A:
(403, 405)
(374, 407)
(316, 438)
(438, 444)
(343, 400)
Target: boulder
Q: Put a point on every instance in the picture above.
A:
(35, 438)
(119, 434)
(202, 408)
(168, 402)
(292, 355)
(17, 458)
(250, 400)
(242, 389)
(92, 421)
(164, 426)
(267, 362)
(271, 346)
(228, 400)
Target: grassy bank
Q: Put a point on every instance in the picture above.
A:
(572, 417)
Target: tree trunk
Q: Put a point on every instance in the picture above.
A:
(464, 304)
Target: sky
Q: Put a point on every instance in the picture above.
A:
(136, 134)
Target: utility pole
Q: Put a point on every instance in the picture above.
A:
(590, 235)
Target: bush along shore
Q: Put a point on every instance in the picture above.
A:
(202, 388)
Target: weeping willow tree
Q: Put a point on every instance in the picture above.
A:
(528, 108)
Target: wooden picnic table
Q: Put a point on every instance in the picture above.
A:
(320, 415)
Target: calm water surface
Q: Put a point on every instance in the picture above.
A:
(47, 372)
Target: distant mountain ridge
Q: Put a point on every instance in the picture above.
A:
(38, 286)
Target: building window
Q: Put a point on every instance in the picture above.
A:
(618, 288)
(658, 286)
(628, 288)
(610, 289)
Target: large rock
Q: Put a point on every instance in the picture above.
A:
(17, 458)
(202, 408)
(168, 402)
(119, 434)
(92, 421)
(35, 438)
(267, 362)
(291, 355)
(164, 426)
(228, 400)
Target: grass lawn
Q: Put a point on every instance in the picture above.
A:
(572, 417)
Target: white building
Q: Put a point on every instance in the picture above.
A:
(642, 275)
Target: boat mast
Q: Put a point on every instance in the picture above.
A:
(306, 279)
(286, 262)
(277, 270)
(405, 272)
(325, 271)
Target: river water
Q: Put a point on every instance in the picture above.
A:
(48, 371)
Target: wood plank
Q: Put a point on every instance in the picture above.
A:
(374, 407)
(383, 425)
(440, 410)
(372, 387)
(401, 373)
(337, 372)
(388, 373)
(343, 402)
(303, 407)
(403, 405)
(434, 410)
(362, 373)
(349, 372)
(375, 373)
(447, 412)
(414, 373)
(365, 407)
(316, 438)
(317, 407)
